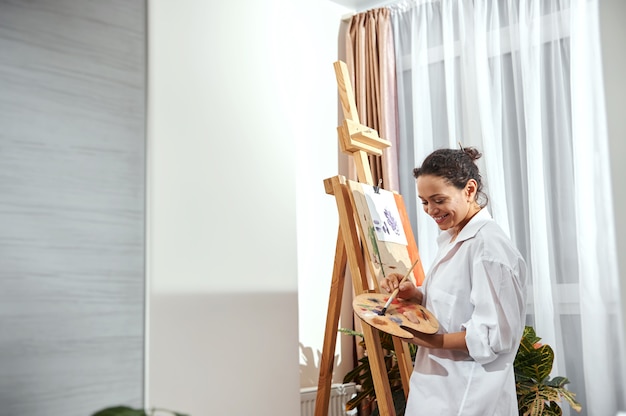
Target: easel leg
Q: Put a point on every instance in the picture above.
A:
(357, 268)
(405, 364)
(384, 399)
(332, 325)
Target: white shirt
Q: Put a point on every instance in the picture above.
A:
(477, 285)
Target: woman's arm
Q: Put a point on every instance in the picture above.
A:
(451, 341)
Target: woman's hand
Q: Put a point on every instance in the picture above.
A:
(407, 291)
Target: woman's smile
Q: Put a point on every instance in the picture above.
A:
(441, 218)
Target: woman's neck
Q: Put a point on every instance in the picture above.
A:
(474, 209)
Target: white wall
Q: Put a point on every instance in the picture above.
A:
(613, 33)
(242, 114)
(317, 232)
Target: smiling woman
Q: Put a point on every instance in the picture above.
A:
(476, 288)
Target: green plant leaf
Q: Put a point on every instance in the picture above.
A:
(365, 393)
(557, 382)
(552, 409)
(356, 373)
(155, 411)
(530, 336)
(349, 331)
(120, 411)
(571, 399)
(535, 364)
(524, 387)
(399, 404)
(532, 404)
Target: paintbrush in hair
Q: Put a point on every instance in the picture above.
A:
(395, 292)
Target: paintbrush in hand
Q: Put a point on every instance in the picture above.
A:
(395, 292)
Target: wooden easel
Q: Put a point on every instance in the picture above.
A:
(359, 141)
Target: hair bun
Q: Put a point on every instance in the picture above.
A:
(472, 152)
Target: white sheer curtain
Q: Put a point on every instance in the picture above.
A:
(521, 80)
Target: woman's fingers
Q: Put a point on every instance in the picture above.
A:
(391, 282)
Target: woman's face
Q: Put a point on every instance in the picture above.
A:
(450, 207)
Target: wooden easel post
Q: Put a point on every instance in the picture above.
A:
(359, 141)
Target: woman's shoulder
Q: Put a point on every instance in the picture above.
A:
(495, 244)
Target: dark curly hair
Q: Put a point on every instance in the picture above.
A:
(456, 166)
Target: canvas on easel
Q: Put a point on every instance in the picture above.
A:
(384, 225)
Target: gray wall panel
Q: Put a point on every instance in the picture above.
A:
(72, 196)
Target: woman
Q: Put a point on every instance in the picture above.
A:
(475, 288)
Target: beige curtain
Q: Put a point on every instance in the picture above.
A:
(370, 58)
(371, 61)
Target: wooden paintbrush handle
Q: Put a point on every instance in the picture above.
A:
(397, 290)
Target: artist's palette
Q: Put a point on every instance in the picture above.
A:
(368, 306)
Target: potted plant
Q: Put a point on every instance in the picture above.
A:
(537, 394)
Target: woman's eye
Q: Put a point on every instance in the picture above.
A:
(424, 203)
(438, 201)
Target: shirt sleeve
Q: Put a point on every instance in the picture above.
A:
(497, 322)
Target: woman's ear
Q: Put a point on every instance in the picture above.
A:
(471, 187)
